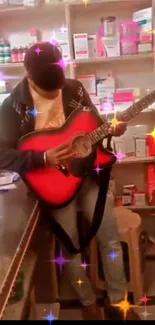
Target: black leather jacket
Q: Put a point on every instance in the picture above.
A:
(17, 120)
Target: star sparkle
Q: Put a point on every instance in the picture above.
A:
(50, 317)
(125, 306)
(37, 50)
(85, 2)
(34, 112)
(120, 156)
(84, 265)
(114, 122)
(60, 260)
(145, 314)
(79, 282)
(113, 255)
(152, 134)
(98, 169)
(145, 299)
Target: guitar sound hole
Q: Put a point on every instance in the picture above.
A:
(81, 146)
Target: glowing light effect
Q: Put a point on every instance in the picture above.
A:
(152, 134)
(50, 317)
(79, 282)
(34, 112)
(114, 122)
(120, 156)
(145, 299)
(85, 2)
(37, 50)
(145, 314)
(64, 63)
(113, 255)
(125, 306)
(4, 77)
(60, 260)
(107, 107)
(84, 265)
(63, 29)
(98, 169)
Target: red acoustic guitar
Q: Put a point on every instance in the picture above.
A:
(85, 130)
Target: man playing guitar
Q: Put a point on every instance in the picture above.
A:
(54, 98)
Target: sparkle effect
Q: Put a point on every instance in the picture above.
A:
(120, 156)
(114, 122)
(34, 112)
(98, 169)
(50, 317)
(79, 282)
(18, 249)
(113, 255)
(125, 306)
(37, 50)
(60, 260)
(85, 2)
(145, 299)
(145, 314)
(84, 265)
(152, 134)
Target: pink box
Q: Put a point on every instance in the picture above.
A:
(128, 47)
(130, 29)
(123, 97)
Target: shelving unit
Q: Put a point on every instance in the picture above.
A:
(129, 70)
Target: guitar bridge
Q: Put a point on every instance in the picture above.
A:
(63, 169)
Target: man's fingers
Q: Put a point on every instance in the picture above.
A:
(62, 147)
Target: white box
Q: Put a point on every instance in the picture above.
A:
(122, 106)
(111, 46)
(92, 46)
(144, 17)
(81, 46)
(89, 83)
(140, 148)
(119, 144)
(130, 148)
(61, 35)
(139, 199)
(106, 87)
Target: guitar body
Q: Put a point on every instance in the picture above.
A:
(58, 186)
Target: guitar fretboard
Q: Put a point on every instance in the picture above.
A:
(126, 116)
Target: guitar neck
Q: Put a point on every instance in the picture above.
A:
(103, 131)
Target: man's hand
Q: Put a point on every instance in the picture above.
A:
(59, 155)
(119, 129)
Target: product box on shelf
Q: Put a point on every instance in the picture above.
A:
(141, 148)
(123, 97)
(81, 46)
(137, 131)
(61, 35)
(144, 18)
(92, 46)
(111, 46)
(106, 87)
(119, 144)
(130, 148)
(151, 145)
(122, 106)
(144, 47)
(89, 83)
(126, 199)
(139, 198)
(128, 47)
(96, 101)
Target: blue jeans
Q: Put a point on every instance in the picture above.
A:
(108, 239)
